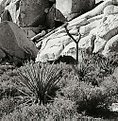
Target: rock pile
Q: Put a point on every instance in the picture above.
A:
(98, 27)
(101, 23)
(35, 15)
(32, 15)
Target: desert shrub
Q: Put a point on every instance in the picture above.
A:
(94, 68)
(60, 109)
(113, 57)
(82, 69)
(111, 89)
(7, 105)
(5, 68)
(63, 108)
(68, 74)
(91, 98)
(105, 64)
(39, 81)
(8, 88)
(73, 91)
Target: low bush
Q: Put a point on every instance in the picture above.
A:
(63, 91)
(7, 105)
(39, 82)
(89, 98)
(60, 109)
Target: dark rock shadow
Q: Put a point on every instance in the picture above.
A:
(64, 59)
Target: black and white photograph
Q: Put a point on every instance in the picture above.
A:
(58, 60)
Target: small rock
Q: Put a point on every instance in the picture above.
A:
(114, 107)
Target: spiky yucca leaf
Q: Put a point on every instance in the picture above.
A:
(82, 69)
(39, 80)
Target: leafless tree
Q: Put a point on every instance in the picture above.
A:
(75, 40)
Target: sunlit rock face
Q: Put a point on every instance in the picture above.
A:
(99, 24)
(64, 6)
(72, 8)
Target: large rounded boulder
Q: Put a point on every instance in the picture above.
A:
(14, 43)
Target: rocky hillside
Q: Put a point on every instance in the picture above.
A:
(98, 30)
(95, 21)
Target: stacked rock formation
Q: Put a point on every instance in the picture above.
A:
(24, 12)
(101, 23)
(36, 15)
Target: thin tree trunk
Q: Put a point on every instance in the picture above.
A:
(77, 52)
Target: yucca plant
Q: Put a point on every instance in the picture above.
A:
(105, 65)
(83, 69)
(39, 81)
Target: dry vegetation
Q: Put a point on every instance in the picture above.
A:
(59, 91)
